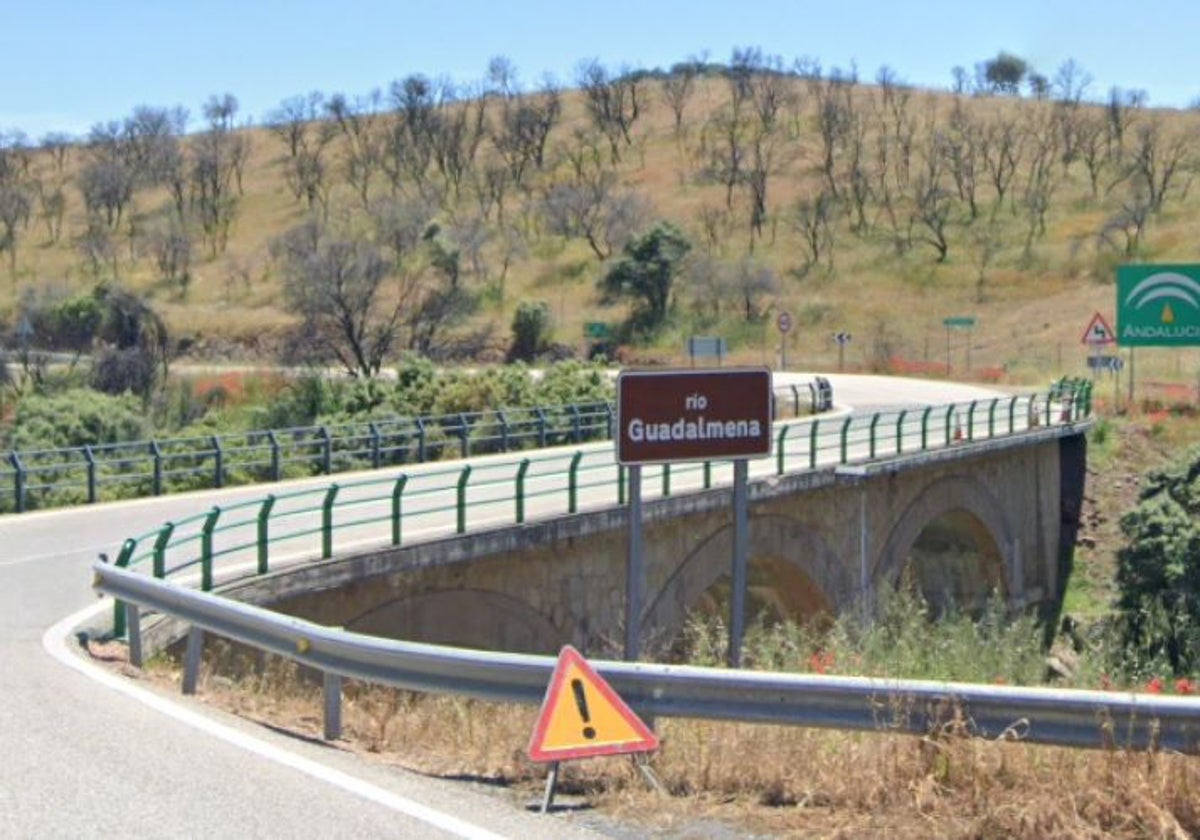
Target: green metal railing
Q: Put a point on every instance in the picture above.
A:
(492, 493)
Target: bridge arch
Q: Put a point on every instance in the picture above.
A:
(964, 510)
(808, 578)
(475, 618)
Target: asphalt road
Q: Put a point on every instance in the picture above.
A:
(88, 755)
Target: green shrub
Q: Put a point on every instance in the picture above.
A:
(77, 417)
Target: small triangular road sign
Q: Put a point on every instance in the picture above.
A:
(1098, 331)
(582, 716)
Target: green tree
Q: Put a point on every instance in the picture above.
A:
(1158, 569)
(1005, 72)
(646, 276)
(530, 330)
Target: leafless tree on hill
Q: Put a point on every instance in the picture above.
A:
(298, 123)
(1156, 160)
(502, 77)
(813, 219)
(960, 143)
(594, 210)
(361, 123)
(1002, 147)
(614, 103)
(15, 208)
(932, 203)
(523, 130)
(677, 88)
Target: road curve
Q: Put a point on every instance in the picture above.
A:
(84, 759)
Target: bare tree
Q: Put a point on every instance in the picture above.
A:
(1156, 160)
(932, 204)
(107, 187)
(613, 102)
(677, 88)
(1128, 223)
(596, 211)
(960, 143)
(298, 124)
(1002, 146)
(360, 122)
(524, 128)
(15, 208)
(812, 218)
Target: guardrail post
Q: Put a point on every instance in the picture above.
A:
(397, 492)
(520, 500)
(332, 691)
(191, 659)
(666, 480)
(871, 442)
(1012, 412)
(122, 562)
(91, 473)
(707, 475)
(573, 482)
(779, 444)
(609, 420)
(160, 549)
(576, 424)
(795, 400)
(845, 454)
(420, 439)
(264, 537)
(812, 396)
(925, 427)
(462, 498)
(971, 420)
(900, 431)
(464, 435)
(620, 484)
(206, 549)
(812, 445)
(326, 450)
(503, 430)
(992, 417)
(954, 433)
(541, 416)
(218, 462)
(376, 446)
(133, 616)
(327, 521)
(18, 482)
(276, 458)
(156, 454)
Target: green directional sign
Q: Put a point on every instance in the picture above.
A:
(595, 329)
(961, 322)
(1158, 305)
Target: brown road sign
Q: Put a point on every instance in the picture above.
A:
(693, 415)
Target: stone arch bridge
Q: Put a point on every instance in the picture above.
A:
(966, 522)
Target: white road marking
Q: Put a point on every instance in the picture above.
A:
(54, 641)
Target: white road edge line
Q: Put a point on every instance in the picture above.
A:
(54, 642)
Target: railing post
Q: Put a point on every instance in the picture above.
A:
(925, 427)
(900, 431)
(576, 424)
(503, 430)
(376, 447)
(1012, 412)
(327, 521)
(952, 434)
(521, 471)
(666, 480)
(91, 473)
(160, 549)
(992, 417)
(846, 439)
(573, 483)
(122, 562)
(218, 462)
(464, 435)
(156, 454)
(812, 396)
(133, 616)
(541, 416)
(397, 492)
(707, 475)
(779, 444)
(813, 445)
(264, 536)
(206, 549)
(191, 659)
(971, 420)
(609, 420)
(18, 481)
(620, 484)
(276, 458)
(326, 450)
(871, 443)
(462, 498)
(420, 439)
(795, 400)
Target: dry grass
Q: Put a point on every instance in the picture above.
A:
(780, 781)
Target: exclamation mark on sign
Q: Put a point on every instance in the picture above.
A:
(581, 703)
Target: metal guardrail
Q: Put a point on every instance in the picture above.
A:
(91, 473)
(1035, 715)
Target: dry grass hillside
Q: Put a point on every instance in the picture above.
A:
(868, 208)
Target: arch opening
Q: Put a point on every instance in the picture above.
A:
(954, 564)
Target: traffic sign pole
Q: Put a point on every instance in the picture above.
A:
(635, 568)
(741, 550)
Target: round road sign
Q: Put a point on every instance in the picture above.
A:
(784, 322)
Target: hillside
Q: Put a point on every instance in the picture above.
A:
(873, 209)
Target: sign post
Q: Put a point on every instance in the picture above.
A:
(784, 322)
(842, 338)
(1095, 336)
(666, 417)
(958, 322)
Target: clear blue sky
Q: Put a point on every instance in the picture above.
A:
(67, 64)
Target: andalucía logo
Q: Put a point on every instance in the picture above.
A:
(1158, 305)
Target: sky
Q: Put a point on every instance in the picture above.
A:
(66, 65)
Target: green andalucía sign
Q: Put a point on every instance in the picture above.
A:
(1158, 305)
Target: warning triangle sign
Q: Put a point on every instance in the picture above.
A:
(1098, 331)
(583, 717)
